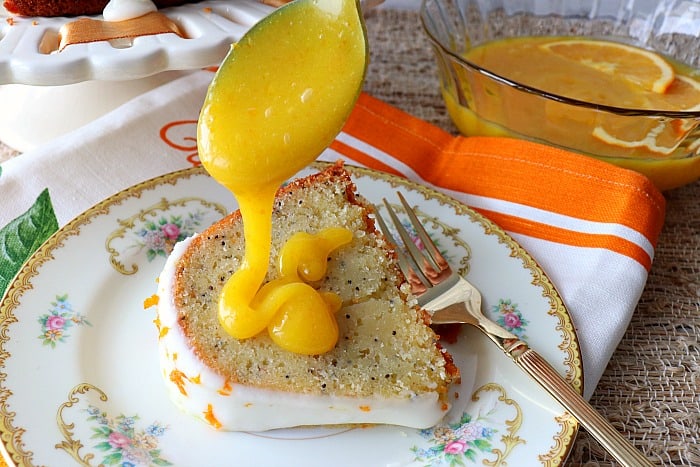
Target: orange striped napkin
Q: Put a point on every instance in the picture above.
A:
(591, 226)
(513, 173)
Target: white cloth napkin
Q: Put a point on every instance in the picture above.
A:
(154, 134)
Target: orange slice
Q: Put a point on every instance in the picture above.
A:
(682, 94)
(659, 138)
(641, 67)
(659, 135)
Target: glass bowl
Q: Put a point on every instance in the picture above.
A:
(662, 144)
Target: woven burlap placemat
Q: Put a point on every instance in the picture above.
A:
(650, 388)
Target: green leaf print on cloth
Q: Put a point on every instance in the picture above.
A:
(22, 236)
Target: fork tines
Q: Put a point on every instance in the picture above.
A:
(426, 267)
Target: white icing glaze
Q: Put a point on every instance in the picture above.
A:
(241, 407)
(121, 10)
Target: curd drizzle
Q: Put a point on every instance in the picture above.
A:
(278, 100)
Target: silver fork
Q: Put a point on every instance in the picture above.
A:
(452, 299)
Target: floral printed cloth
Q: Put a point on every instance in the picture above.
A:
(591, 226)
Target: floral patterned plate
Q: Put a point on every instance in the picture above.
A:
(80, 383)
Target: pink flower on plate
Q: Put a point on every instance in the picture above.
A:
(172, 231)
(455, 447)
(512, 320)
(118, 440)
(55, 322)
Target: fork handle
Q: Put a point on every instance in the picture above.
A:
(598, 427)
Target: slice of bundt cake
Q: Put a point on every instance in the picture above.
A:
(387, 367)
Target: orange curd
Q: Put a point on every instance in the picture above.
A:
(278, 100)
(596, 71)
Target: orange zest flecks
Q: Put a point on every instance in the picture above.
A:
(150, 301)
(196, 379)
(365, 408)
(227, 389)
(162, 330)
(210, 418)
(178, 377)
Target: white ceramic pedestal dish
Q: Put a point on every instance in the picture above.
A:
(55, 92)
(43, 113)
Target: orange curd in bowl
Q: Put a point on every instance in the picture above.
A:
(595, 71)
(279, 98)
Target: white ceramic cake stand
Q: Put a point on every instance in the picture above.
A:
(51, 93)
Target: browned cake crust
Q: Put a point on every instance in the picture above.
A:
(70, 7)
(380, 351)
